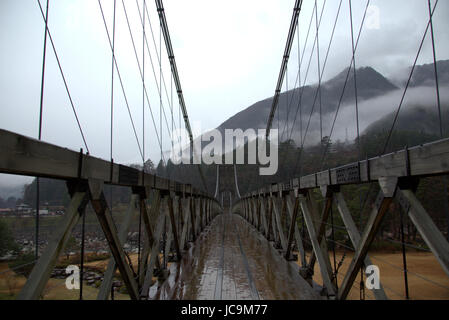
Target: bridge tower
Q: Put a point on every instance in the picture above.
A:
(227, 189)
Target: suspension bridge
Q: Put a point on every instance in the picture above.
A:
(196, 243)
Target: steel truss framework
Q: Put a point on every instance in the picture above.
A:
(274, 210)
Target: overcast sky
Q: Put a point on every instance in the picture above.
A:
(228, 55)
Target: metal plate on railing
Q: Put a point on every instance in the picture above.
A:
(128, 176)
(287, 186)
(348, 174)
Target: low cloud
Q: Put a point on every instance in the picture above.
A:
(370, 111)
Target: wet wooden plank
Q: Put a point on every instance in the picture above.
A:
(272, 276)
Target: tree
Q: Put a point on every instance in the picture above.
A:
(23, 265)
(70, 246)
(2, 203)
(170, 170)
(149, 167)
(7, 242)
(11, 202)
(52, 191)
(161, 170)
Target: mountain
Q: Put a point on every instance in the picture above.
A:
(370, 84)
(377, 97)
(424, 75)
(15, 191)
(421, 115)
(418, 118)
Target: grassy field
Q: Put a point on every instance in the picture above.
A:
(419, 265)
(55, 290)
(11, 284)
(29, 222)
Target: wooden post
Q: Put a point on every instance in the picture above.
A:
(317, 248)
(200, 215)
(193, 216)
(173, 227)
(279, 224)
(33, 288)
(259, 218)
(270, 220)
(388, 189)
(273, 227)
(153, 256)
(316, 218)
(256, 213)
(110, 231)
(322, 225)
(209, 211)
(148, 214)
(245, 210)
(168, 239)
(427, 228)
(106, 284)
(250, 211)
(297, 234)
(292, 228)
(354, 235)
(263, 216)
(151, 213)
(187, 223)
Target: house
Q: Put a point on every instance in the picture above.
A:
(5, 211)
(23, 209)
(43, 212)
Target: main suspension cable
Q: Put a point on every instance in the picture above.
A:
(302, 88)
(171, 56)
(158, 84)
(290, 38)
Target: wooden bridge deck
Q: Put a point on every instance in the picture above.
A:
(231, 261)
